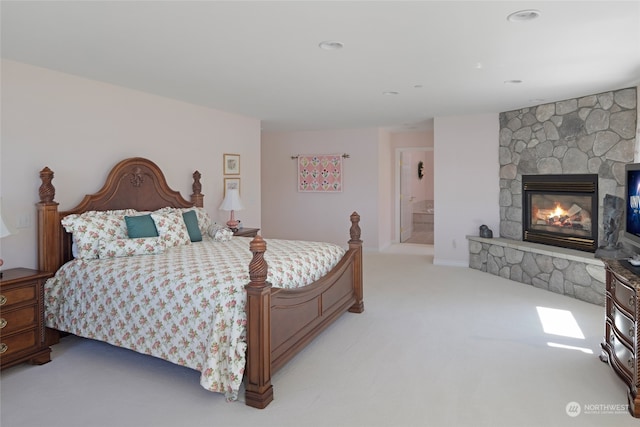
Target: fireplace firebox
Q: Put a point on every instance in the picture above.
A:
(561, 210)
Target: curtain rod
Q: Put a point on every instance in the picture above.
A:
(345, 156)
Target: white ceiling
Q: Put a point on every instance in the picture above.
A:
(261, 58)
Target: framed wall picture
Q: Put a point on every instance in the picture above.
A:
(231, 164)
(231, 184)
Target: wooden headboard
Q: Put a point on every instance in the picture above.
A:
(134, 183)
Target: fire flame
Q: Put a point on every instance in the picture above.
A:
(558, 212)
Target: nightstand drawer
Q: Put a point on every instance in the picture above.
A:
(19, 295)
(18, 319)
(18, 342)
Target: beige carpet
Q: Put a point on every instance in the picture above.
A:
(436, 346)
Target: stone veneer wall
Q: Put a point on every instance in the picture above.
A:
(591, 134)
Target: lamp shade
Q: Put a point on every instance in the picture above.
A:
(232, 201)
(4, 231)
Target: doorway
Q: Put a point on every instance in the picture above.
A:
(414, 190)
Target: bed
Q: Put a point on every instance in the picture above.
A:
(276, 322)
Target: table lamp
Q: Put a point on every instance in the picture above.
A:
(4, 232)
(232, 203)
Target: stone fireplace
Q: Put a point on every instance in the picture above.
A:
(591, 135)
(561, 210)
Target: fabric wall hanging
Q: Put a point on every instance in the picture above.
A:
(320, 173)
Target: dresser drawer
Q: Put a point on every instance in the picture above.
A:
(22, 294)
(21, 318)
(18, 342)
(623, 294)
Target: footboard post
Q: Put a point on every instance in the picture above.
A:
(259, 392)
(356, 244)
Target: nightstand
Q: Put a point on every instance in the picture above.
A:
(22, 317)
(247, 232)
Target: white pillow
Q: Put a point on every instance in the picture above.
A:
(220, 233)
(130, 247)
(91, 226)
(171, 228)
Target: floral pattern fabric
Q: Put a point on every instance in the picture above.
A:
(88, 228)
(171, 228)
(131, 246)
(185, 305)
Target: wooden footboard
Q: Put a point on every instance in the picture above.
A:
(281, 322)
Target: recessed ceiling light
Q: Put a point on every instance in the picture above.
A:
(331, 45)
(390, 92)
(524, 15)
(417, 86)
(512, 82)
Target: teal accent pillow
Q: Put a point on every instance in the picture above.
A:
(191, 221)
(140, 226)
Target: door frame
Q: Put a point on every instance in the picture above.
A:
(397, 174)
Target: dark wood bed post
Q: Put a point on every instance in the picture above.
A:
(258, 388)
(197, 197)
(356, 244)
(49, 239)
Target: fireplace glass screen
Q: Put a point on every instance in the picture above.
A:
(561, 214)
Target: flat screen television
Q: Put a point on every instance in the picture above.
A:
(632, 204)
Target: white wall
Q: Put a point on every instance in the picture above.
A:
(288, 214)
(466, 184)
(81, 128)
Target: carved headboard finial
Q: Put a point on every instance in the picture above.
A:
(46, 191)
(197, 187)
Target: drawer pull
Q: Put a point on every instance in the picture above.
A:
(3, 300)
(632, 301)
(631, 331)
(3, 348)
(3, 323)
(630, 363)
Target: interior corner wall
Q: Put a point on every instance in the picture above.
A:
(637, 147)
(385, 185)
(81, 128)
(289, 214)
(466, 185)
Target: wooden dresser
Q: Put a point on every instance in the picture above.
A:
(620, 347)
(22, 332)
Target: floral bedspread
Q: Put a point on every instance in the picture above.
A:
(185, 305)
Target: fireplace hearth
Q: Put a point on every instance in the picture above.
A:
(561, 210)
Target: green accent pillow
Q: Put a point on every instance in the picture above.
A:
(191, 221)
(140, 226)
